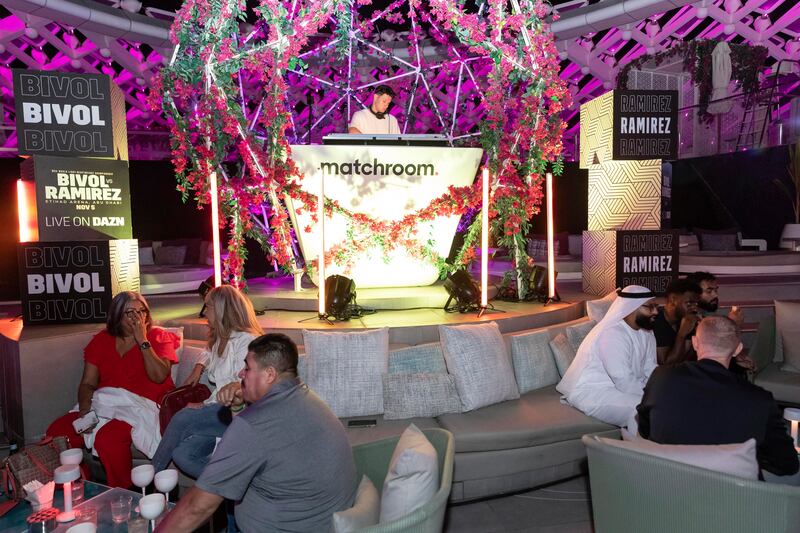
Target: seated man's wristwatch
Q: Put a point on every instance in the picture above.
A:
(145, 345)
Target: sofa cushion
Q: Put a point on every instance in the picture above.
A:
(534, 366)
(170, 255)
(537, 417)
(791, 349)
(597, 309)
(413, 476)
(784, 386)
(427, 358)
(365, 511)
(146, 256)
(383, 428)
(576, 334)
(734, 459)
(345, 369)
(193, 247)
(787, 317)
(477, 357)
(717, 240)
(410, 395)
(562, 353)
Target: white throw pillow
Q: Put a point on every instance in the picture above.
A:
(413, 476)
(787, 316)
(365, 511)
(345, 369)
(734, 459)
(477, 357)
(597, 309)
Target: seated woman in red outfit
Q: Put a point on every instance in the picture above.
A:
(130, 355)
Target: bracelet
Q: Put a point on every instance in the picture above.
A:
(235, 410)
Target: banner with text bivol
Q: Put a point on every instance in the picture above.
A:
(69, 114)
(74, 197)
(73, 282)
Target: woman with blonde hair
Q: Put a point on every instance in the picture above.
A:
(191, 435)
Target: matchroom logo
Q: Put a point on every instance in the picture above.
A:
(377, 168)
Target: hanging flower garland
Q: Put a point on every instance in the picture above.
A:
(747, 62)
(201, 91)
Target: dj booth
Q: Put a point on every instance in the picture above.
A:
(384, 177)
(412, 139)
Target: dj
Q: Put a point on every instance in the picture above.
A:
(376, 118)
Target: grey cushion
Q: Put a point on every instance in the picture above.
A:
(787, 316)
(717, 241)
(784, 386)
(534, 366)
(383, 428)
(146, 256)
(562, 353)
(426, 358)
(170, 255)
(345, 369)
(537, 417)
(578, 332)
(476, 356)
(410, 395)
(791, 349)
(597, 309)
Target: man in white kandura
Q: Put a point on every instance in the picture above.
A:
(376, 119)
(607, 377)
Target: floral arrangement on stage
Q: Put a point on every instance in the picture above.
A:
(747, 62)
(216, 132)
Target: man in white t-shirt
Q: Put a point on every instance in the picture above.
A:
(376, 118)
(607, 377)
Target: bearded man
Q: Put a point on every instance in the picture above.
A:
(615, 360)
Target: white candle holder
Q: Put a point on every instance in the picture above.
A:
(65, 475)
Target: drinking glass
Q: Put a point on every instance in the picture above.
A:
(151, 507)
(142, 476)
(77, 491)
(138, 525)
(166, 480)
(121, 508)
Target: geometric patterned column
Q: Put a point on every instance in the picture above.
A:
(623, 195)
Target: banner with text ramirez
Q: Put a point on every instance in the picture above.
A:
(648, 258)
(69, 114)
(645, 125)
(80, 198)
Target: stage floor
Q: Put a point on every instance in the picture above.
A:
(412, 314)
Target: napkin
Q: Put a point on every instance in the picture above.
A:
(40, 496)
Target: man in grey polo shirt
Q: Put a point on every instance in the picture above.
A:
(284, 459)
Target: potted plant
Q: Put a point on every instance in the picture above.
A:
(790, 238)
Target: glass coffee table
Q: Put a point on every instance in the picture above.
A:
(96, 501)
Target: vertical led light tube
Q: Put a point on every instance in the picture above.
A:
(321, 256)
(485, 239)
(551, 257)
(215, 228)
(22, 211)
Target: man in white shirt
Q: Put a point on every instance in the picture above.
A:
(607, 377)
(376, 118)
